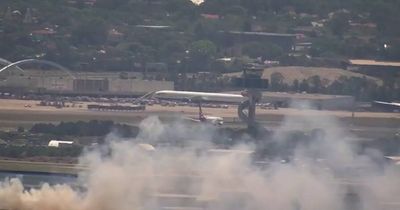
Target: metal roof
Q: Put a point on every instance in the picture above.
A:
(262, 34)
(373, 63)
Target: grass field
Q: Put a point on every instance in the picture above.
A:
(40, 167)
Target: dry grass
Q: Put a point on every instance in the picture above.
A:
(327, 75)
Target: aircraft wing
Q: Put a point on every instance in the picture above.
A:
(390, 106)
(203, 96)
(394, 159)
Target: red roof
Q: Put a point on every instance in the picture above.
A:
(210, 16)
(44, 32)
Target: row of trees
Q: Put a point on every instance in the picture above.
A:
(83, 31)
(81, 128)
(14, 151)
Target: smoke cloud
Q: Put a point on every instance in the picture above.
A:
(128, 174)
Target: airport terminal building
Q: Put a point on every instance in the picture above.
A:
(104, 83)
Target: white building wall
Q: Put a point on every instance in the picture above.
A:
(57, 84)
(65, 84)
(48, 83)
(123, 86)
(18, 81)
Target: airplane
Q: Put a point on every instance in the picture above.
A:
(205, 96)
(197, 97)
(214, 120)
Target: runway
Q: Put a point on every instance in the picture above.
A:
(25, 113)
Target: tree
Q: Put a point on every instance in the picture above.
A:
(339, 24)
(253, 49)
(110, 4)
(20, 129)
(327, 46)
(335, 87)
(385, 14)
(92, 31)
(393, 51)
(173, 52)
(263, 50)
(181, 8)
(235, 10)
(277, 81)
(173, 46)
(255, 5)
(295, 85)
(216, 6)
(316, 84)
(304, 86)
(202, 53)
(231, 22)
(206, 30)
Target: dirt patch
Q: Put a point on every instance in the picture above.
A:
(327, 75)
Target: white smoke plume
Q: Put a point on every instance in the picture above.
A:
(326, 174)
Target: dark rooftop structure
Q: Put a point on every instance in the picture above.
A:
(285, 41)
(249, 33)
(374, 68)
(374, 63)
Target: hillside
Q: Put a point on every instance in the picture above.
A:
(125, 35)
(180, 38)
(327, 75)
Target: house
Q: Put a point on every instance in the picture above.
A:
(57, 143)
(42, 34)
(115, 36)
(210, 16)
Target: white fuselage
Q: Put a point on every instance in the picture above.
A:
(216, 97)
(209, 119)
(214, 120)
